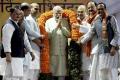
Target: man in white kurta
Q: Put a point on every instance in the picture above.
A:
(58, 34)
(32, 68)
(31, 20)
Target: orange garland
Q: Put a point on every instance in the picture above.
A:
(45, 64)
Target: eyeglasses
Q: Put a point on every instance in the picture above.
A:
(36, 8)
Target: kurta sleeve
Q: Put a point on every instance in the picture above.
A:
(29, 31)
(116, 39)
(27, 43)
(85, 38)
(7, 33)
(65, 32)
(92, 31)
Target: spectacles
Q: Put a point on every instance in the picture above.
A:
(36, 8)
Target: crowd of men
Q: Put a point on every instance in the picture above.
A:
(94, 55)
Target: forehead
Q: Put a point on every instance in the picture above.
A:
(81, 9)
(91, 4)
(58, 11)
(17, 11)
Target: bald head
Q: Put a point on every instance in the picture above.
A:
(81, 12)
(34, 5)
(82, 8)
(34, 9)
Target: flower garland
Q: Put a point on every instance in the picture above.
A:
(45, 64)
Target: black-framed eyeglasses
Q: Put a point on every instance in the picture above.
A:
(36, 8)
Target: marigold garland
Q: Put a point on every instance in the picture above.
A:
(45, 64)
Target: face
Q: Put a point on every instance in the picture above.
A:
(16, 15)
(80, 13)
(58, 14)
(35, 9)
(21, 17)
(91, 8)
(101, 9)
(27, 12)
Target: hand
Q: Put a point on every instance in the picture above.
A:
(79, 40)
(32, 55)
(59, 24)
(42, 36)
(112, 51)
(75, 25)
(8, 57)
(37, 41)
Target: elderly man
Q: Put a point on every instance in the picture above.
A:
(79, 60)
(84, 27)
(58, 34)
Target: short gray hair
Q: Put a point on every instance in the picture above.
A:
(57, 8)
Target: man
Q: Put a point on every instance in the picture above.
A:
(79, 61)
(92, 13)
(110, 37)
(26, 8)
(32, 30)
(105, 40)
(31, 20)
(84, 27)
(58, 34)
(14, 42)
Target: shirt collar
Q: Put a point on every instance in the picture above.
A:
(13, 20)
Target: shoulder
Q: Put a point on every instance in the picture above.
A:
(8, 26)
(112, 19)
(50, 20)
(97, 20)
(29, 19)
(98, 17)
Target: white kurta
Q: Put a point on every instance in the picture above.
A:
(58, 43)
(36, 50)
